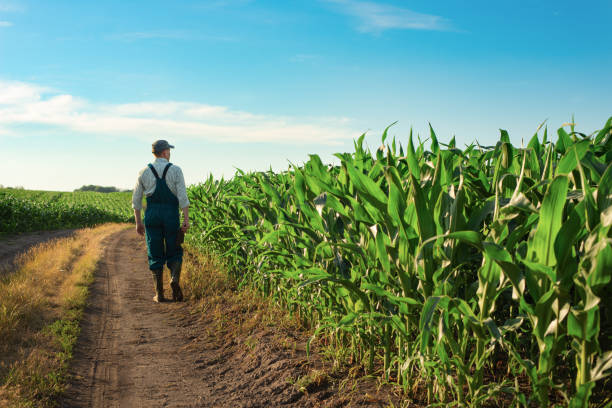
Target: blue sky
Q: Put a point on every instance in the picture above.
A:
(85, 87)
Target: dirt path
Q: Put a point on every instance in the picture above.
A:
(135, 353)
(131, 351)
(13, 245)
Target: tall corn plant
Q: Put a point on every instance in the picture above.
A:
(462, 271)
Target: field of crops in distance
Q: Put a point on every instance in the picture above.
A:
(476, 276)
(34, 210)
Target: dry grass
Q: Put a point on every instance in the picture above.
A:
(40, 307)
(236, 311)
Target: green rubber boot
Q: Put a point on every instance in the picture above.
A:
(158, 280)
(175, 276)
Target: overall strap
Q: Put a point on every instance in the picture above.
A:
(166, 170)
(154, 172)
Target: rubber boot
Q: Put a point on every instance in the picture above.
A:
(158, 280)
(175, 276)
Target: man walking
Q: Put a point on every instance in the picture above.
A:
(164, 186)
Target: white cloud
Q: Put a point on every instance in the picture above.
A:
(6, 24)
(29, 104)
(376, 17)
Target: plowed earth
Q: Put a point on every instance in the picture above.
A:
(133, 352)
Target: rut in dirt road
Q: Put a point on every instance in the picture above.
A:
(133, 352)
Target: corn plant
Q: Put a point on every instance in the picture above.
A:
(469, 276)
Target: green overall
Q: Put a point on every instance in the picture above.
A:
(161, 224)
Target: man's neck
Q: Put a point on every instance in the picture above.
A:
(161, 159)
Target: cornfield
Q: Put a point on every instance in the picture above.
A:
(471, 277)
(31, 210)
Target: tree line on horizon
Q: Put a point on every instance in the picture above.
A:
(101, 189)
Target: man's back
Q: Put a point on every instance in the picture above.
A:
(146, 183)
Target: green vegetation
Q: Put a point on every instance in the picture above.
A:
(31, 210)
(473, 277)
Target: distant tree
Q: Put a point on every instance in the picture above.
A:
(99, 189)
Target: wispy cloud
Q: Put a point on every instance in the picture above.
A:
(377, 17)
(30, 104)
(6, 24)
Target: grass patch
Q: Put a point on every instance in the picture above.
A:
(40, 311)
(312, 381)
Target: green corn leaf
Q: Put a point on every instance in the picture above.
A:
(383, 257)
(411, 158)
(564, 142)
(425, 220)
(600, 258)
(571, 158)
(333, 203)
(397, 199)
(388, 295)
(604, 132)
(583, 324)
(435, 146)
(384, 135)
(541, 246)
(604, 192)
(299, 185)
(367, 188)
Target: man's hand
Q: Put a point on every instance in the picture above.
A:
(140, 229)
(185, 225)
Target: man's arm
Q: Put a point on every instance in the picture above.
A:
(137, 205)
